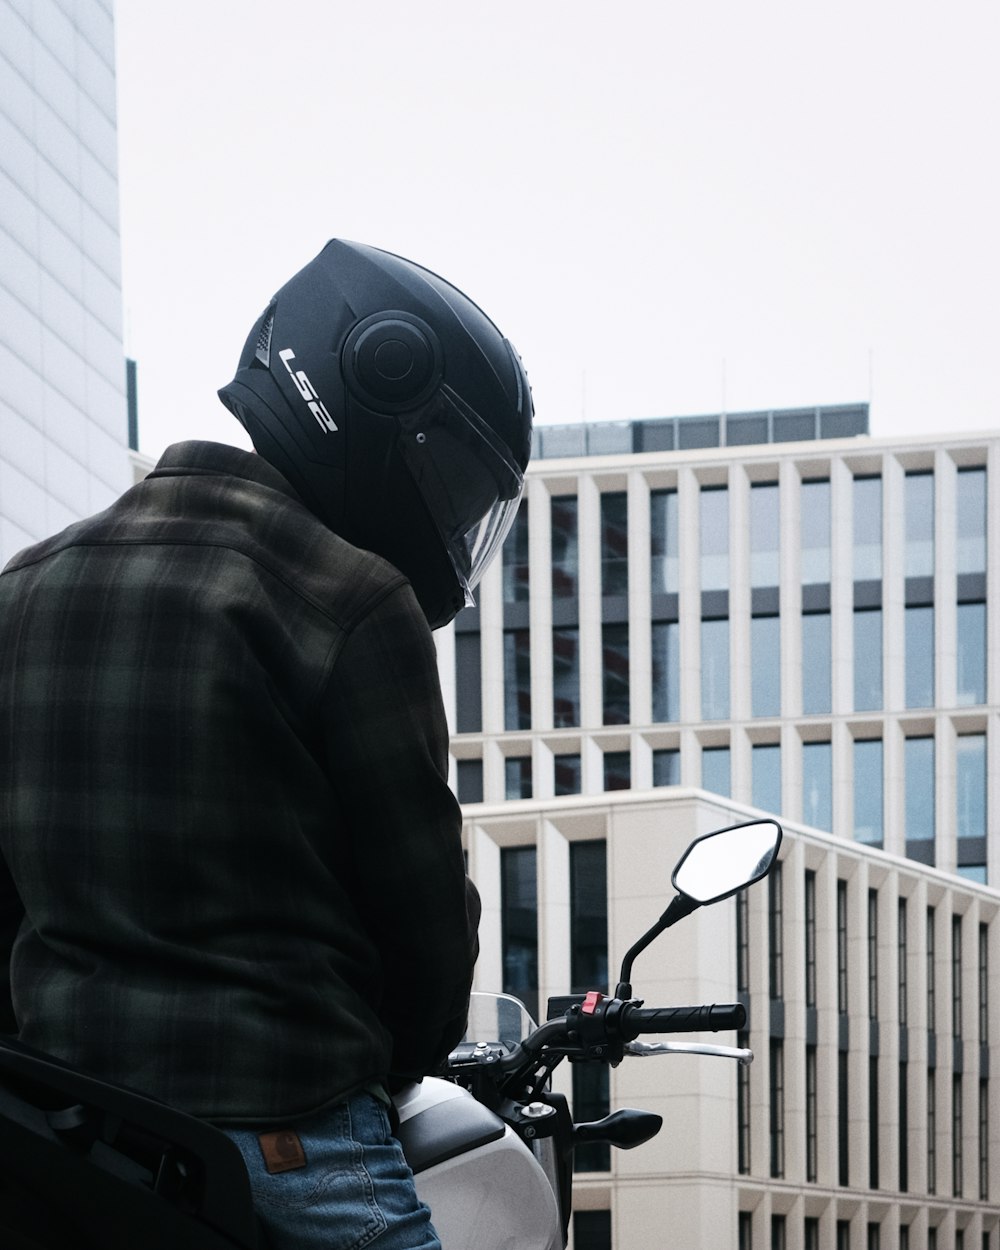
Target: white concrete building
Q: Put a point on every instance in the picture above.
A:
(797, 627)
(63, 430)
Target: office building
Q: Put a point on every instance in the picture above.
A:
(63, 441)
(695, 621)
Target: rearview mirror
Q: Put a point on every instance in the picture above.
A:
(720, 863)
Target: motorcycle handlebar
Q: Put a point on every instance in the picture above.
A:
(711, 1018)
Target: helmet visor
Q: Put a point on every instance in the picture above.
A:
(467, 478)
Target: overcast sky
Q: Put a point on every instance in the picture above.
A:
(669, 208)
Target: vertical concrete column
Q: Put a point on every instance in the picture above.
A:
(993, 677)
(444, 645)
(894, 585)
(790, 597)
(490, 598)
(895, 783)
(739, 601)
(842, 779)
(945, 582)
(689, 548)
(553, 913)
(484, 869)
(945, 793)
(841, 588)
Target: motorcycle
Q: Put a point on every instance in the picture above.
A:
(85, 1165)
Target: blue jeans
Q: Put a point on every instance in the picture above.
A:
(354, 1191)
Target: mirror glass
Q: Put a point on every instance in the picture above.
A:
(725, 861)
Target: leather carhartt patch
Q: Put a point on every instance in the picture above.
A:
(282, 1151)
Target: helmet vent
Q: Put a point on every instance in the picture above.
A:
(263, 352)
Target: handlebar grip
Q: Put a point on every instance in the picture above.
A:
(711, 1018)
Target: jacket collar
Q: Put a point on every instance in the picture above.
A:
(196, 458)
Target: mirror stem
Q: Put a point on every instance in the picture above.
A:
(680, 906)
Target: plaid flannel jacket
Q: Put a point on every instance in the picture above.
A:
(231, 867)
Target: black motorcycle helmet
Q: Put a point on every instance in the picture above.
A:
(396, 409)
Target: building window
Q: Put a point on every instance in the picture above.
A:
(842, 981)
(743, 1110)
(874, 1234)
(970, 762)
(816, 663)
(931, 1131)
(617, 770)
(568, 774)
(812, 1116)
(817, 785)
(873, 1118)
(714, 536)
(902, 951)
(919, 510)
(868, 660)
(589, 971)
(777, 1106)
(956, 977)
(919, 630)
(868, 791)
(592, 1230)
(970, 521)
(872, 954)
(775, 936)
(931, 971)
(918, 767)
(777, 1232)
(984, 985)
(515, 558)
(811, 1233)
(468, 683)
(867, 492)
(469, 780)
(765, 666)
(614, 544)
(765, 535)
(843, 1235)
(765, 761)
(957, 1178)
(517, 678)
(565, 677)
(667, 767)
(810, 951)
(519, 926)
(904, 1127)
(970, 659)
(614, 644)
(565, 547)
(715, 770)
(517, 777)
(742, 944)
(664, 562)
(815, 531)
(984, 1140)
(746, 1230)
(715, 669)
(666, 672)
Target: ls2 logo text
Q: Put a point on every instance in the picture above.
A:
(308, 393)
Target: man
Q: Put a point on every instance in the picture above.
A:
(232, 874)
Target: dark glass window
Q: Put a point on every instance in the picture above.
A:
(468, 684)
(519, 927)
(778, 1232)
(842, 981)
(919, 628)
(873, 1121)
(817, 665)
(592, 1230)
(589, 971)
(868, 660)
(614, 643)
(903, 963)
(868, 791)
(565, 547)
(810, 951)
(565, 677)
(765, 666)
(843, 1121)
(746, 1230)
(903, 1104)
(666, 671)
(867, 529)
(931, 1131)
(617, 770)
(815, 531)
(743, 1109)
(517, 777)
(919, 522)
(775, 936)
(715, 670)
(812, 1116)
(872, 954)
(956, 977)
(667, 767)
(664, 564)
(811, 1232)
(469, 780)
(918, 767)
(957, 1159)
(931, 971)
(568, 774)
(984, 1140)
(970, 662)
(517, 678)
(817, 785)
(591, 1101)
(766, 769)
(614, 544)
(714, 535)
(984, 985)
(777, 1101)
(765, 534)
(515, 558)
(742, 944)
(715, 770)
